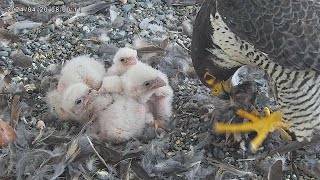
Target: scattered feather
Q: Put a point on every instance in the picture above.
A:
(28, 3)
(94, 149)
(20, 59)
(113, 13)
(15, 110)
(223, 168)
(90, 9)
(316, 170)
(275, 171)
(7, 134)
(23, 25)
(6, 37)
(187, 28)
(184, 2)
(295, 145)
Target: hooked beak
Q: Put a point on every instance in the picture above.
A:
(225, 94)
(157, 83)
(131, 61)
(90, 97)
(220, 89)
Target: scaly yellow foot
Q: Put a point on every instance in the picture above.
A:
(262, 125)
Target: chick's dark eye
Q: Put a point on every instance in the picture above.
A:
(78, 101)
(121, 60)
(146, 84)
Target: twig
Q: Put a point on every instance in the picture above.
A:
(15, 110)
(38, 137)
(295, 145)
(183, 46)
(100, 158)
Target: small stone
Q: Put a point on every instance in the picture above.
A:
(44, 47)
(8, 49)
(118, 22)
(44, 32)
(66, 1)
(41, 125)
(58, 3)
(4, 53)
(16, 71)
(144, 23)
(30, 76)
(160, 17)
(27, 51)
(102, 174)
(81, 36)
(68, 45)
(117, 36)
(51, 27)
(86, 29)
(93, 19)
(73, 41)
(178, 142)
(127, 7)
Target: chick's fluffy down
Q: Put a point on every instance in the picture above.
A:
(124, 119)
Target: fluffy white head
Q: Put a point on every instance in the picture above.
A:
(125, 57)
(77, 98)
(141, 81)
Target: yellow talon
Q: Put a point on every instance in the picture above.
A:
(255, 112)
(261, 125)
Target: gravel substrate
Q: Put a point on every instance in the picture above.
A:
(188, 149)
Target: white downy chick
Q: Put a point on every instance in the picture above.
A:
(124, 119)
(160, 103)
(81, 69)
(83, 102)
(141, 82)
(122, 61)
(159, 100)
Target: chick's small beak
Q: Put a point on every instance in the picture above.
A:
(156, 83)
(131, 61)
(90, 97)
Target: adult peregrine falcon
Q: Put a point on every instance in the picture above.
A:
(280, 36)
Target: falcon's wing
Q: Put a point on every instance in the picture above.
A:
(288, 31)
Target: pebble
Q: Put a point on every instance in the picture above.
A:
(4, 53)
(8, 49)
(86, 29)
(117, 35)
(68, 45)
(144, 23)
(58, 3)
(118, 22)
(66, 1)
(27, 51)
(30, 76)
(44, 32)
(51, 27)
(127, 7)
